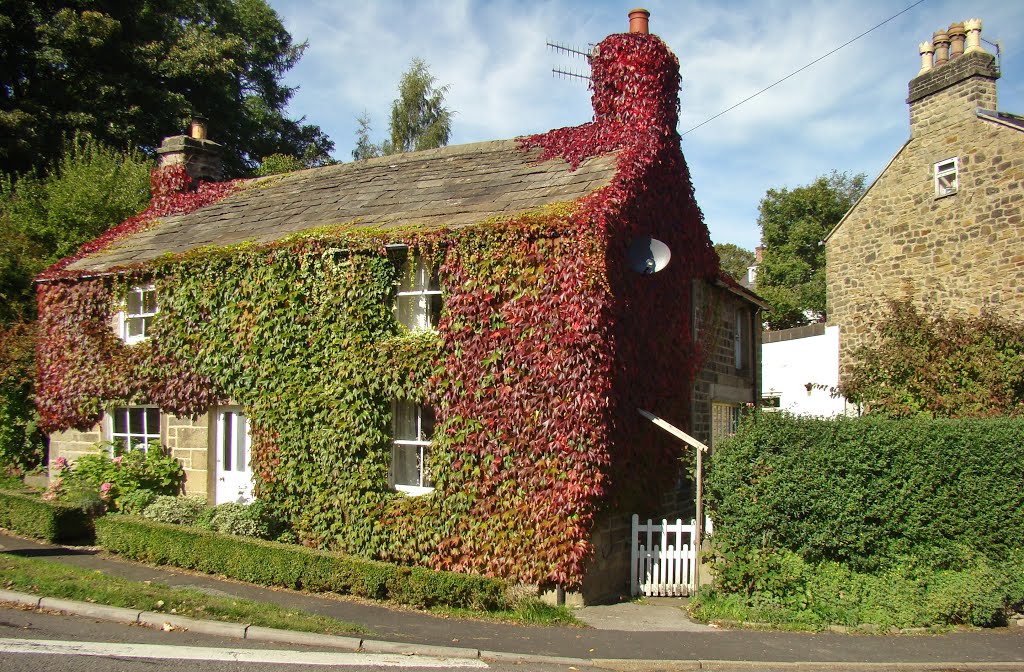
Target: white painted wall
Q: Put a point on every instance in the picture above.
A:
(788, 366)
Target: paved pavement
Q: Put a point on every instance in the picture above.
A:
(628, 636)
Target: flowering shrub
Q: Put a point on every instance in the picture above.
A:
(176, 510)
(112, 478)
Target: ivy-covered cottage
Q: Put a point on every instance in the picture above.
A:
(434, 357)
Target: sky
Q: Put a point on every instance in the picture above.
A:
(847, 112)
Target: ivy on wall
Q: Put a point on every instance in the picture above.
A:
(546, 346)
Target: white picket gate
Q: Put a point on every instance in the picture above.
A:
(663, 560)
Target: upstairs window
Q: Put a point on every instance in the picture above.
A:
(413, 428)
(133, 427)
(136, 320)
(947, 177)
(418, 304)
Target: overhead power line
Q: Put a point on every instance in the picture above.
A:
(796, 72)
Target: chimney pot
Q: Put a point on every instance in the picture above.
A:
(941, 41)
(198, 130)
(957, 36)
(639, 20)
(927, 51)
(973, 28)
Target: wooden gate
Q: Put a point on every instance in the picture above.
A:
(663, 559)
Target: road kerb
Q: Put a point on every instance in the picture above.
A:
(23, 599)
(261, 634)
(160, 620)
(377, 646)
(502, 656)
(100, 611)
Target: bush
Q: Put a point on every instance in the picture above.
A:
(233, 518)
(118, 476)
(869, 491)
(273, 564)
(21, 442)
(869, 520)
(56, 522)
(136, 502)
(176, 510)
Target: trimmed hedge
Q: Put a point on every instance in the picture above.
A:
(270, 563)
(29, 515)
(871, 492)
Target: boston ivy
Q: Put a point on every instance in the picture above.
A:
(546, 347)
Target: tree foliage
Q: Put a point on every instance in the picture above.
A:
(47, 217)
(131, 73)
(419, 118)
(734, 259)
(950, 367)
(791, 277)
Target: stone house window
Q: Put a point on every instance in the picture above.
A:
(133, 427)
(418, 303)
(135, 322)
(947, 176)
(412, 427)
(725, 419)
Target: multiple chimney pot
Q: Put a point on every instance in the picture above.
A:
(949, 43)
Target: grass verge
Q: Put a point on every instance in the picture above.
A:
(52, 579)
(528, 612)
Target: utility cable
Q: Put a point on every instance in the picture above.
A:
(796, 72)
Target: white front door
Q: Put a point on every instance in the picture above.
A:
(234, 475)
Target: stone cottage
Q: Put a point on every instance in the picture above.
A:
(432, 358)
(942, 223)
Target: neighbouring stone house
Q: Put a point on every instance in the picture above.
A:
(942, 223)
(435, 357)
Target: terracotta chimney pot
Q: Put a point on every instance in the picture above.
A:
(198, 130)
(941, 41)
(957, 36)
(638, 20)
(927, 53)
(973, 28)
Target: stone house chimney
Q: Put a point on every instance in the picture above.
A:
(957, 77)
(200, 156)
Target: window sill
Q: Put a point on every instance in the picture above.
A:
(414, 490)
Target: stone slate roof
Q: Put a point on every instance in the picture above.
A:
(452, 186)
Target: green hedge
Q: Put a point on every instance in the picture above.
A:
(297, 567)
(29, 515)
(871, 492)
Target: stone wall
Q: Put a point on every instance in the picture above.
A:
(719, 380)
(187, 440)
(956, 254)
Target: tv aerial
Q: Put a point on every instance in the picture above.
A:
(647, 255)
(572, 51)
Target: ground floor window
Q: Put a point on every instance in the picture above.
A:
(134, 427)
(725, 418)
(412, 427)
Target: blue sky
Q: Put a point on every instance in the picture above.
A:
(847, 112)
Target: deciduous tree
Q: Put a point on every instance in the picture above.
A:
(734, 259)
(794, 223)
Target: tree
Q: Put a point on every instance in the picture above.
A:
(131, 73)
(419, 119)
(794, 223)
(365, 149)
(735, 260)
(946, 367)
(46, 217)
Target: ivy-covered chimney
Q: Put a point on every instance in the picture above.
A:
(200, 156)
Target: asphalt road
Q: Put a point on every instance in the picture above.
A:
(77, 644)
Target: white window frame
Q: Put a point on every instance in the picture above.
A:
(125, 318)
(947, 177)
(147, 434)
(419, 269)
(738, 343)
(422, 444)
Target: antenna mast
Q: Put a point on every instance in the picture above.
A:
(571, 51)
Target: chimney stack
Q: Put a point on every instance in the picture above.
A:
(639, 20)
(200, 155)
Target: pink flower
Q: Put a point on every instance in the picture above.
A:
(60, 464)
(117, 460)
(105, 488)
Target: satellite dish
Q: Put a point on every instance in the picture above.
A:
(648, 255)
